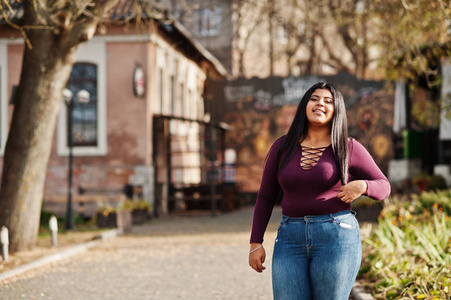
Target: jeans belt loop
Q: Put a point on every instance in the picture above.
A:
(285, 220)
(333, 218)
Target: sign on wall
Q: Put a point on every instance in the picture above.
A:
(138, 81)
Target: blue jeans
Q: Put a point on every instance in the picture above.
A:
(316, 257)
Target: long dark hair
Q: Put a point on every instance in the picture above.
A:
(299, 129)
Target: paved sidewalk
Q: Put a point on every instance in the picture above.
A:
(190, 257)
(172, 258)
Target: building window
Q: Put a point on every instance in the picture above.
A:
(208, 21)
(84, 115)
(172, 95)
(190, 104)
(161, 88)
(195, 109)
(182, 99)
(89, 75)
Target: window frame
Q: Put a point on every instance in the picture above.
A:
(74, 142)
(93, 52)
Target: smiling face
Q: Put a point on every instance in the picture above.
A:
(320, 108)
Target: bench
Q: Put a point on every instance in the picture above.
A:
(89, 200)
(198, 196)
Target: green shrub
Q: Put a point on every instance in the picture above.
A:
(440, 199)
(426, 182)
(437, 182)
(409, 254)
(136, 205)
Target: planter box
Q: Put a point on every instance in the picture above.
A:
(120, 219)
(140, 216)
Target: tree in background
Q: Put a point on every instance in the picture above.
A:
(410, 35)
(363, 37)
(302, 37)
(53, 30)
(352, 22)
(247, 16)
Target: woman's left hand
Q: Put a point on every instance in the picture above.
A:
(352, 190)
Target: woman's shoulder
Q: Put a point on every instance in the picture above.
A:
(353, 141)
(354, 144)
(278, 143)
(280, 140)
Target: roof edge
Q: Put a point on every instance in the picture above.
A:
(199, 47)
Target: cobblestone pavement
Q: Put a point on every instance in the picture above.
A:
(189, 257)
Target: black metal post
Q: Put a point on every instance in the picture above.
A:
(156, 195)
(212, 170)
(69, 213)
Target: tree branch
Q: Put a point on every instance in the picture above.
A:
(340, 65)
(21, 29)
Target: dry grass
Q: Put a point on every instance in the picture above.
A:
(44, 247)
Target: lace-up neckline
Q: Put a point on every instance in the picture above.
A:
(310, 156)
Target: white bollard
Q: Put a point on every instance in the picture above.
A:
(53, 224)
(4, 240)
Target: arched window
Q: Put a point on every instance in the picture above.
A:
(84, 115)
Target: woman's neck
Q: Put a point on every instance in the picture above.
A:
(318, 137)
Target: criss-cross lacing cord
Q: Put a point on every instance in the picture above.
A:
(310, 156)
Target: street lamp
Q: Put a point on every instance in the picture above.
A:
(68, 97)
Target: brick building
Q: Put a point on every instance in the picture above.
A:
(130, 77)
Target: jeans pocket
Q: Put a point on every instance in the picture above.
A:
(346, 225)
(348, 222)
(281, 226)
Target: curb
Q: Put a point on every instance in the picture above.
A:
(359, 293)
(71, 251)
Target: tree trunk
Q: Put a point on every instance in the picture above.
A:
(271, 37)
(45, 71)
(241, 71)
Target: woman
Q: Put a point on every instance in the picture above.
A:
(317, 252)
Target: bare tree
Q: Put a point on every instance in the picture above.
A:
(350, 35)
(299, 21)
(247, 16)
(311, 30)
(351, 19)
(53, 30)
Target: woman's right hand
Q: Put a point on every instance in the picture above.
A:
(257, 257)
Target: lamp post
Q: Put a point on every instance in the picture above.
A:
(82, 97)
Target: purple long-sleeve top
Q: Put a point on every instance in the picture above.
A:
(313, 191)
